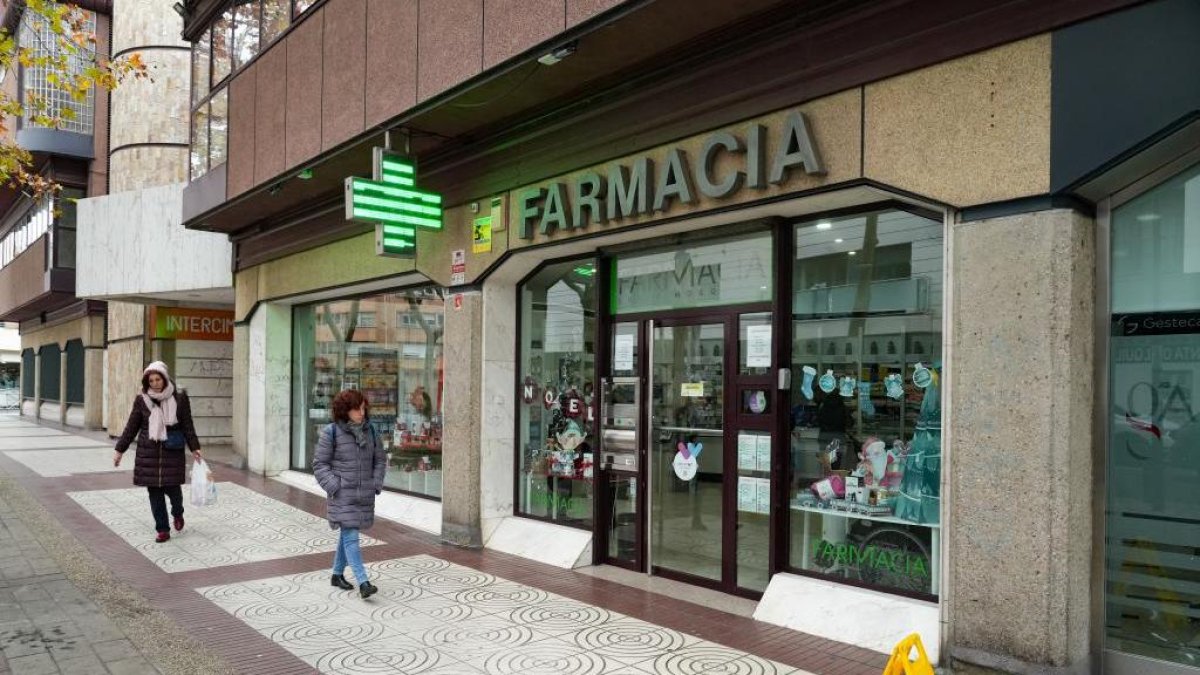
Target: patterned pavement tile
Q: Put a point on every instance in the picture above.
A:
(432, 617)
(243, 526)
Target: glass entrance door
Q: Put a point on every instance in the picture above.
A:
(687, 453)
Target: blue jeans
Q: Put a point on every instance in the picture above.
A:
(348, 552)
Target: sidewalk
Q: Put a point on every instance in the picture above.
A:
(246, 584)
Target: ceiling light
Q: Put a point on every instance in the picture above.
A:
(825, 226)
(853, 252)
(1148, 217)
(559, 53)
(838, 241)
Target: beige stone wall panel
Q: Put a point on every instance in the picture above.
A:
(138, 167)
(833, 120)
(341, 263)
(126, 319)
(461, 494)
(579, 11)
(242, 95)
(514, 26)
(345, 59)
(435, 248)
(145, 22)
(271, 118)
(1020, 469)
(451, 44)
(304, 68)
(126, 360)
(391, 49)
(145, 111)
(969, 131)
(90, 329)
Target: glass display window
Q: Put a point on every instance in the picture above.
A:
(557, 389)
(1152, 510)
(389, 347)
(865, 419)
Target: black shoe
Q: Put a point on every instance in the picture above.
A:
(340, 581)
(367, 590)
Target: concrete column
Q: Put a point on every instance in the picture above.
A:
(241, 392)
(269, 390)
(62, 385)
(463, 378)
(1020, 443)
(37, 383)
(93, 387)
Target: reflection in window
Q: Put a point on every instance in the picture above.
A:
(302, 6)
(1152, 591)
(276, 15)
(361, 344)
(246, 26)
(64, 227)
(218, 149)
(556, 371)
(222, 47)
(199, 152)
(866, 400)
(201, 63)
(720, 272)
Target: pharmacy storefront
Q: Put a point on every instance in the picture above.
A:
(724, 371)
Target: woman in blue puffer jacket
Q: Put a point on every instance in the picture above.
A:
(349, 464)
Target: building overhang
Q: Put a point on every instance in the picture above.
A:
(661, 71)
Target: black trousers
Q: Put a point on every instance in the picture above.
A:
(158, 505)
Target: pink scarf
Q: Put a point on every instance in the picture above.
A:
(162, 408)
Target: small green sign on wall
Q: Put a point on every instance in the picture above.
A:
(392, 201)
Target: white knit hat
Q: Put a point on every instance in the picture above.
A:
(157, 367)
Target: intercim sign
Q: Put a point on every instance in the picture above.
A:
(183, 323)
(394, 204)
(625, 191)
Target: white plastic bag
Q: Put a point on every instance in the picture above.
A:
(204, 488)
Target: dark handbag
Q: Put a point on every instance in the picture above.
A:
(175, 439)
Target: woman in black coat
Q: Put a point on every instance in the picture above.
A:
(161, 421)
(350, 464)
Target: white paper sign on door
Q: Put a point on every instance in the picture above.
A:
(758, 346)
(747, 452)
(623, 353)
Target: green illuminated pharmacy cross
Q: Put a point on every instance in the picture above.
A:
(393, 202)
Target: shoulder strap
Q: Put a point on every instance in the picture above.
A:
(332, 433)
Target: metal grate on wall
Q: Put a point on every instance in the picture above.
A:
(75, 372)
(28, 372)
(37, 34)
(51, 358)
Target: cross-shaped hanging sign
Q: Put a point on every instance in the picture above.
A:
(393, 202)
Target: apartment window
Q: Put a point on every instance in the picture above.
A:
(35, 223)
(37, 34)
(247, 24)
(238, 35)
(64, 228)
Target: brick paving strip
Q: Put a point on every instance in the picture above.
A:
(63, 611)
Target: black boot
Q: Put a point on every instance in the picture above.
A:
(340, 581)
(367, 590)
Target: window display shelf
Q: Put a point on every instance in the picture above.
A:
(862, 516)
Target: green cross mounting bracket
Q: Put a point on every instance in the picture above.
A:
(394, 204)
